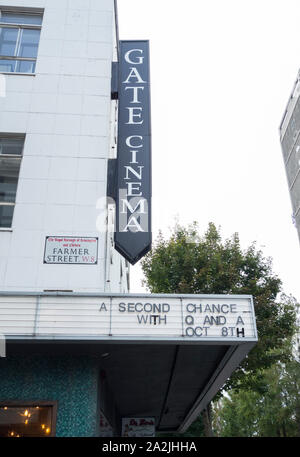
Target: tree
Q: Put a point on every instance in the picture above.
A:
(190, 263)
(272, 413)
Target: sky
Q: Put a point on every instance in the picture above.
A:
(221, 76)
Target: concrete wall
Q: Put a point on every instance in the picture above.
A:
(66, 113)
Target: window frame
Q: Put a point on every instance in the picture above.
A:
(32, 404)
(20, 27)
(13, 157)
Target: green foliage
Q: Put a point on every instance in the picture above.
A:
(196, 429)
(275, 412)
(190, 263)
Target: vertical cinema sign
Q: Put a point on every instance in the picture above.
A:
(133, 200)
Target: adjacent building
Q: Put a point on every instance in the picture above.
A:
(290, 143)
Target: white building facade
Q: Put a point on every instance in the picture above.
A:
(57, 132)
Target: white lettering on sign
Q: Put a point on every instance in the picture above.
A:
(139, 60)
(134, 223)
(71, 250)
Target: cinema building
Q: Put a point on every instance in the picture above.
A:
(82, 356)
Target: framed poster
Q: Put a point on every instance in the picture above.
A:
(138, 426)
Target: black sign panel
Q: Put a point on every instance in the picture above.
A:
(133, 200)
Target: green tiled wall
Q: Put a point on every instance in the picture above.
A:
(71, 380)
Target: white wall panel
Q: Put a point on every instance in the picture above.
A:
(101, 19)
(43, 103)
(3, 265)
(91, 169)
(25, 243)
(100, 34)
(74, 49)
(71, 84)
(63, 169)
(35, 167)
(19, 83)
(94, 50)
(80, 4)
(21, 272)
(17, 102)
(93, 104)
(40, 123)
(51, 33)
(95, 125)
(28, 216)
(53, 277)
(87, 193)
(93, 146)
(5, 239)
(50, 47)
(69, 104)
(101, 5)
(96, 86)
(47, 65)
(46, 84)
(62, 192)
(85, 218)
(71, 33)
(31, 191)
(58, 219)
(15, 122)
(98, 68)
(66, 145)
(39, 145)
(79, 18)
(67, 124)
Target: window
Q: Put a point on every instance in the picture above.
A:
(27, 419)
(11, 148)
(19, 41)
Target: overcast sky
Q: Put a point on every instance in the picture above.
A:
(221, 76)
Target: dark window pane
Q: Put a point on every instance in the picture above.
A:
(6, 215)
(7, 66)
(8, 40)
(14, 18)
(9, 175)
(18, 421)
(11, 146)
(25, 66)
(29, 43)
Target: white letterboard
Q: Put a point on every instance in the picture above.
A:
(190, 318)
